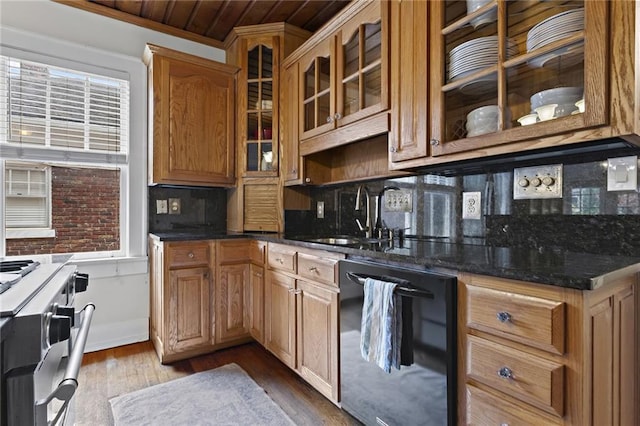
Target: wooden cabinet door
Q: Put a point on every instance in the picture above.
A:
(317, 319)
(291, 161)
(231, 319)
(408, 138)
(193, 120)
(156, 286)
(362, 84)
(576, 60)
(188, 307)
(316, 100)
(280, 317)
(256, 302)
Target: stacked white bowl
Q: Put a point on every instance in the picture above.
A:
(482, 120)
(564, 97)
(485, 18)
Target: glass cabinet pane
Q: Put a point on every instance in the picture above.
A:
(252, 157)
(372, 87)
(267, 63)
(324, 74)
(267, 96)
(324, 108)
(352, 56)
(253, 99)
(310, 81)
(253, 63)
(266, 157)
(252, 126)
(309, 115)
(351, 95)
(372, 43)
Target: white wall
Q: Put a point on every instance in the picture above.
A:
(89, 29)
(119, 287)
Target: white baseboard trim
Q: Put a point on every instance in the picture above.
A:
(117, 334)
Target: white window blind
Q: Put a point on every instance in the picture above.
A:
(27, 196)
(63, 110)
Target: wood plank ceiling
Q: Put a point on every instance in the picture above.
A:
(210, 21)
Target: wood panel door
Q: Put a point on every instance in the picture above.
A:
(256, 302)
(156, 287)
(193, 116)
(280, 317)
(317, 320)
(291, 162)
(231, 319)
(188, 308)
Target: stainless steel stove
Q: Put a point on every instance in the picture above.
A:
(42, 340)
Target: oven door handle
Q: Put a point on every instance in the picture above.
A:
(404, 287)
(67, 387)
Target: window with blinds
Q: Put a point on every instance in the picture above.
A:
(64, 109)
(27, 194)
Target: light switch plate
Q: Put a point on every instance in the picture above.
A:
(537, 182)
(471, 205)
(161, 206)
(398, 200)
(320, 210)
(622, 174)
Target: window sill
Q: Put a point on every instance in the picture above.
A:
(30, 233)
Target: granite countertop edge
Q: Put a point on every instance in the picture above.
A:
(601, 268)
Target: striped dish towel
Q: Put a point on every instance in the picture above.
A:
(381, 327)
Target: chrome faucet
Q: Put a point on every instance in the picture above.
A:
(368, 230)
(379, 206)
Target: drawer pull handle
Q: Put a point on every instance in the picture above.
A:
(191, 255)
(313, 269)
(503, 316)
(505, 373)
(280, 261)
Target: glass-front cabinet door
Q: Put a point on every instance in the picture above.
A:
(317, 90)
(362, 67)
(261, 151)
(516, 70)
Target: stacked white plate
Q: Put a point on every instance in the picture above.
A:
(475, 55)
(552, 29)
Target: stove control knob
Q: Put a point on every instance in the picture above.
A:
(59, 328)
(65, 311)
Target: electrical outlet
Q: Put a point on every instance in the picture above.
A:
(398, 200)
(174, 205)
(537, 182)
(471, 205)
(320, 210)
(161, 207)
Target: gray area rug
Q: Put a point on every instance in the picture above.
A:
(223, 396)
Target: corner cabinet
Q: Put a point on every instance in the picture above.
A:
(493, 74)
(255, 204)
(537, 354)
(191, 118)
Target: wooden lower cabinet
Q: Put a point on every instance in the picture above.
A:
(577, 366)
(280, 316)
(231, 321)
(317, 320)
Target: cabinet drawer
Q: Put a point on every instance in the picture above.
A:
(316, 268)
(233, 251)
(524, 376)
(530, 320)
(188, 255)
(282, 258)
(256, 252)
(485, 409)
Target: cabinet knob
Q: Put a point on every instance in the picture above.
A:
(258, 274)
(307, 180)
(191, 255)
(294, 171)
(434, 142)
(505, 373)
(392, 149)
(313, 269)
(329, 119)
(280, 261)
(503, 316)
(338, 116)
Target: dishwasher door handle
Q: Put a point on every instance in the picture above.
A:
(404, 287)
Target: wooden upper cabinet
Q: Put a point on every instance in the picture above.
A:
(343, 79)
(192, 108)
(513, 57)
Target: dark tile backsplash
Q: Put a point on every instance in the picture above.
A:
(202, 209)
(588, 218)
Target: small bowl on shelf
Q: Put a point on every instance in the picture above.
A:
(546, 112)
(528, 119)
(580, 105)
(558, 95)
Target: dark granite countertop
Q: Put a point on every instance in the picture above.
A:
(194, 236)
(551, 266)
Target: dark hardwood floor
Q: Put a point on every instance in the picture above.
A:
(116, 371)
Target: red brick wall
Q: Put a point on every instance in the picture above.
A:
(85, 210)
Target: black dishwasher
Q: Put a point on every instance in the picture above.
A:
(423, 393)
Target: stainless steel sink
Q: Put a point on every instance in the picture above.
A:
(338, 241)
